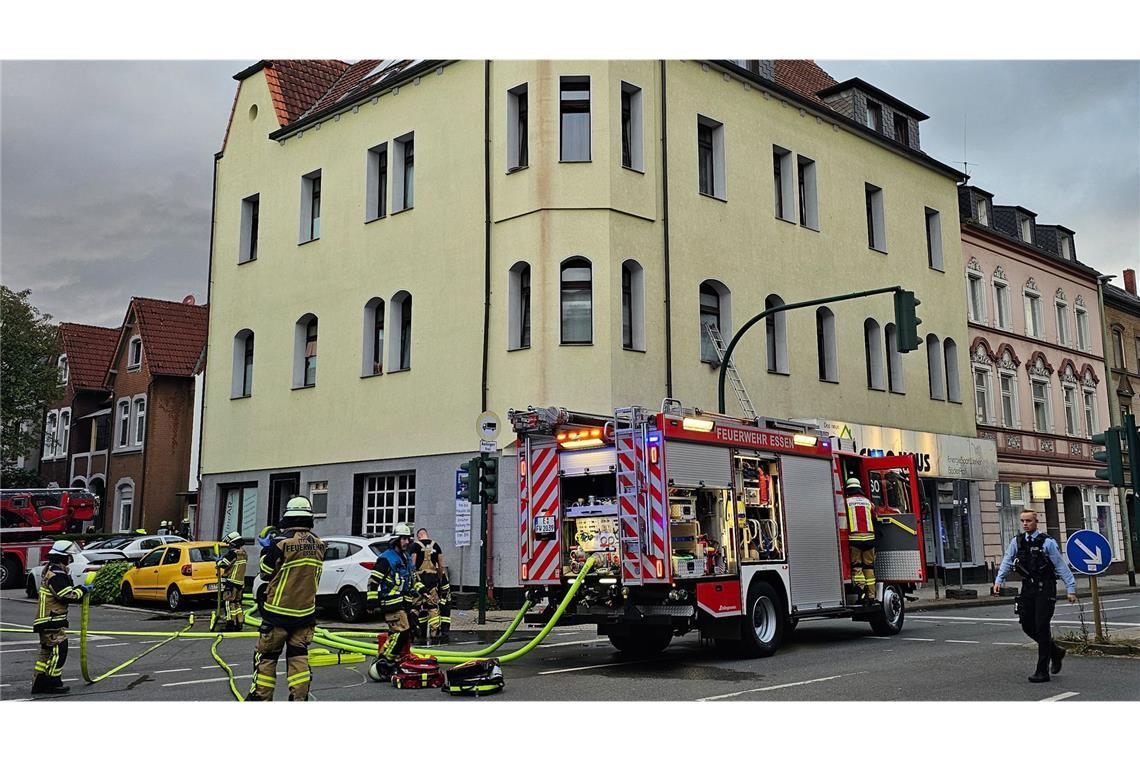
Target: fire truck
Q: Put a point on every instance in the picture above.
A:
(51, 509)
(20, 550)
(733, 527)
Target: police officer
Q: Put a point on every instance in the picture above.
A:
(861, 540)
(427, 559)
(394, 586)
(1037, 558)
(291, 566)
(231, 574)
(56, 592)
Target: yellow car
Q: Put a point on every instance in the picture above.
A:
(173, 572)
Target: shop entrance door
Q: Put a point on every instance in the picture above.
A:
(955, 537)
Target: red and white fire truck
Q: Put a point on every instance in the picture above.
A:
(20, 550)
(51, 509)
(736, 528)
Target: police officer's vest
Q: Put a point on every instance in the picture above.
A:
(860, 519)
(292, 591)
(52, 612)
(1033, 564)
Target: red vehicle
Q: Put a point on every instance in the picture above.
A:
(736, 528)
(55, 510)
(22, 549)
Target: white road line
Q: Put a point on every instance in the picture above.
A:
(123, 644)
(904, 638)
(14, 625)
(884, 638)
(572, 643)
(123, 675)
(21, 641)
(915, 616)
(1077, 624)
(590, 667)
(172, 670)
(206, 680)
(778, 686)
(1006, 643)
(1003, 625)
(12, 651)
(1059, 697)
(957, 641)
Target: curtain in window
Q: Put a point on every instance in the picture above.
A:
(577, 302)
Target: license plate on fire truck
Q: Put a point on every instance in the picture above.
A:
(544, 526)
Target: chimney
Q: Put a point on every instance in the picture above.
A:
(1130, 281)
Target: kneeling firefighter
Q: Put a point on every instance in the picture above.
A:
(394, 586)
(231, 574)
(291, 567)
(56, 592)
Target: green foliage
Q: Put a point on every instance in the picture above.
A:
(108, 581)
(27, 372)
(17, 477)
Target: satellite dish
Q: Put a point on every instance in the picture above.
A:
(188, 300)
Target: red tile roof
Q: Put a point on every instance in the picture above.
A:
(173, 334)
(297, 85)
(359, 77)
(89, 351)
(803, 77)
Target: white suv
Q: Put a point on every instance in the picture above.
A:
(344, 580)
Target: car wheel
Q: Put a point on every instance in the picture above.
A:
(646, 641)
(350, 605)
(173, 599)
(9, 573)
(30, 588)
(126, 594)
(888, 621)
(764, 621)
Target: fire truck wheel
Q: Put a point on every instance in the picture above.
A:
(10, 574)
(764, 622)
(644, 642)
(889, 620)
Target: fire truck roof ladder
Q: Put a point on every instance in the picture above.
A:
(733, 377)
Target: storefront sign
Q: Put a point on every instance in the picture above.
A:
(935, 455)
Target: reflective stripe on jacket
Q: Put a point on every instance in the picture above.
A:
(860, 518)
(393, 582)
(294, 562)
(231, 566)
(56, 592)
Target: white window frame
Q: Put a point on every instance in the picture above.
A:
(1061, 312)
(896, 374)
(122, 424)
(1067, 247)
(934, 256)
(1033, 315)
(1082, 316)
(724, 319)
(63, 437)
(827, 358)
(981, 211)
(124, 486)
(574, 262)
(310, 228)
(51, 433)
(317, 490)
(575, 79)
(1034, 383)
(237, 371)
(1026, 230)
(63, 369)
(719, 181)
(1015, 415)
(519, 312)
(1072, 415)
(636, 126)
(976, 308)
(785, 195)
(1088, 399)
(134, 347)
(138, 420)
(250, 228)
(776, 337)
(515, 158)
(878, 225)
(380, 506)
(402, 201)
(300, 340)
(376, 183)
(808, 192)
(1116, 336)
(394, 327)
(986, 416)
(1002, 303)
(372, 364)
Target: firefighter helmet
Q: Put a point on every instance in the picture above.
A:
(402, 530)
(854, 483)
(63, 549)
(233, 537)
(298, 506)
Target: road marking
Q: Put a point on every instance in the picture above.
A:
(123, 644)
(1003, 625)
(778, 686)
(590, 667)
(1059, 697)
(21, 641)
(172, 670)
(14, 625)
(572, 643)
(911, 639)
(1105, 622)
(123, 675)
(214, 680)
(948, 617)
(12, 651)
(884, 638)
(958, 641)
(1007, 643)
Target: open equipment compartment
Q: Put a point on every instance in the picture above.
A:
(701, 532)
(760, 507)
(590, 526)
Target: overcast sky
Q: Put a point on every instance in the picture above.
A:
(105, 167)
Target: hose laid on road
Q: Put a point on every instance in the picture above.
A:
(226, 667)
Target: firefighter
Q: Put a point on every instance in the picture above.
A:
(1037, 559)
(427, 559)
(231, 574)
(184, 529)
(56, 592)
(395, 588)
(291, 567)
(444, 606)
(164, 528)
(861, 540)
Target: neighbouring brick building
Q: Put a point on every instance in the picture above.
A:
(151, 377)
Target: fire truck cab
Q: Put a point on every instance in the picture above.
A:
(697, 521)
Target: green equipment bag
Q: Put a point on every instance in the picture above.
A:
(476, 678)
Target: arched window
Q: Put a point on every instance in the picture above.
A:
(776, 336)
(372, 346)
(953, 390)
(51, 425)
(1117, 347)
(123, 439)
(577, 301)
(400, 356)
(934, 368)
(632, 306)
(825, 344)
(61, 364)
(134, 353)
(305, 352)
(518, 307)
(241, 381)
(896, 380)
(715, 310)
(125, 499)
(872, 349)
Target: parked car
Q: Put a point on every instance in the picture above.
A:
(344, 580)
(134, 546)
(173, 572)
(83, 562)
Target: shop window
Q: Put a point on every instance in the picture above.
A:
(239, 510)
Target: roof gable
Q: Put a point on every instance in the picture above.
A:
(89, 350)
(172, 334)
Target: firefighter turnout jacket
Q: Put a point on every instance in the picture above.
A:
(291, 566)
(860, 518)
(393, 583)
(231, 567)
(56, 592)
(425, 557)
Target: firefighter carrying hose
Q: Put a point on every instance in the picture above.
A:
(231, 574)
(56, 592)
(427, 559)
(394, 586)
(861, 540)
(291, 566)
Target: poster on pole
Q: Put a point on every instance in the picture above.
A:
(462, 516)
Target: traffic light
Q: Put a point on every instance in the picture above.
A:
(906, 321)
(469, 480)
(488, 478)
(1111, 455)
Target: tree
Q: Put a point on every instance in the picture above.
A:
(29, 379)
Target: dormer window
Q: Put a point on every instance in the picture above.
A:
(874, 116)
(61, 364)
(902, 129)
(1066, 247)
(134, 353)
(982, 212)
(1027, 230)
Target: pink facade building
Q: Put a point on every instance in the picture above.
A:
(1037, 374)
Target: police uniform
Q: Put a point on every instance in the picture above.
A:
(231, 574)
(1037, 559)
(395, 588)
(56, 592)
(426, 559)
(291, 566)
(861, 539)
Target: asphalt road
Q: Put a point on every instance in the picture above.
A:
(973, 654)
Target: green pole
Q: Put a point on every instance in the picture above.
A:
(785, 307)
(482, 559)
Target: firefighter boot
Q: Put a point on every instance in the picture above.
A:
(45, 684)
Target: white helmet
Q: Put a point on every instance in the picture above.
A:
(63, 549)
(854, 483)
(402, 530)
(298, 506)
(234, 537)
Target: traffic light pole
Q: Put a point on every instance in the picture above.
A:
(784, 307)
(482, 561)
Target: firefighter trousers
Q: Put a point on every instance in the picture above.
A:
(232, 609)
(428, 615)
(863, 566)
(295, 642)
(1035, 610)
(52, 656)
(399, 641)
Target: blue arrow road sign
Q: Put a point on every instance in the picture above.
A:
(1089, 552)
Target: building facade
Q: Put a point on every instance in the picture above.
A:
(449, 237)
(1037, 373)
(1122, 313)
